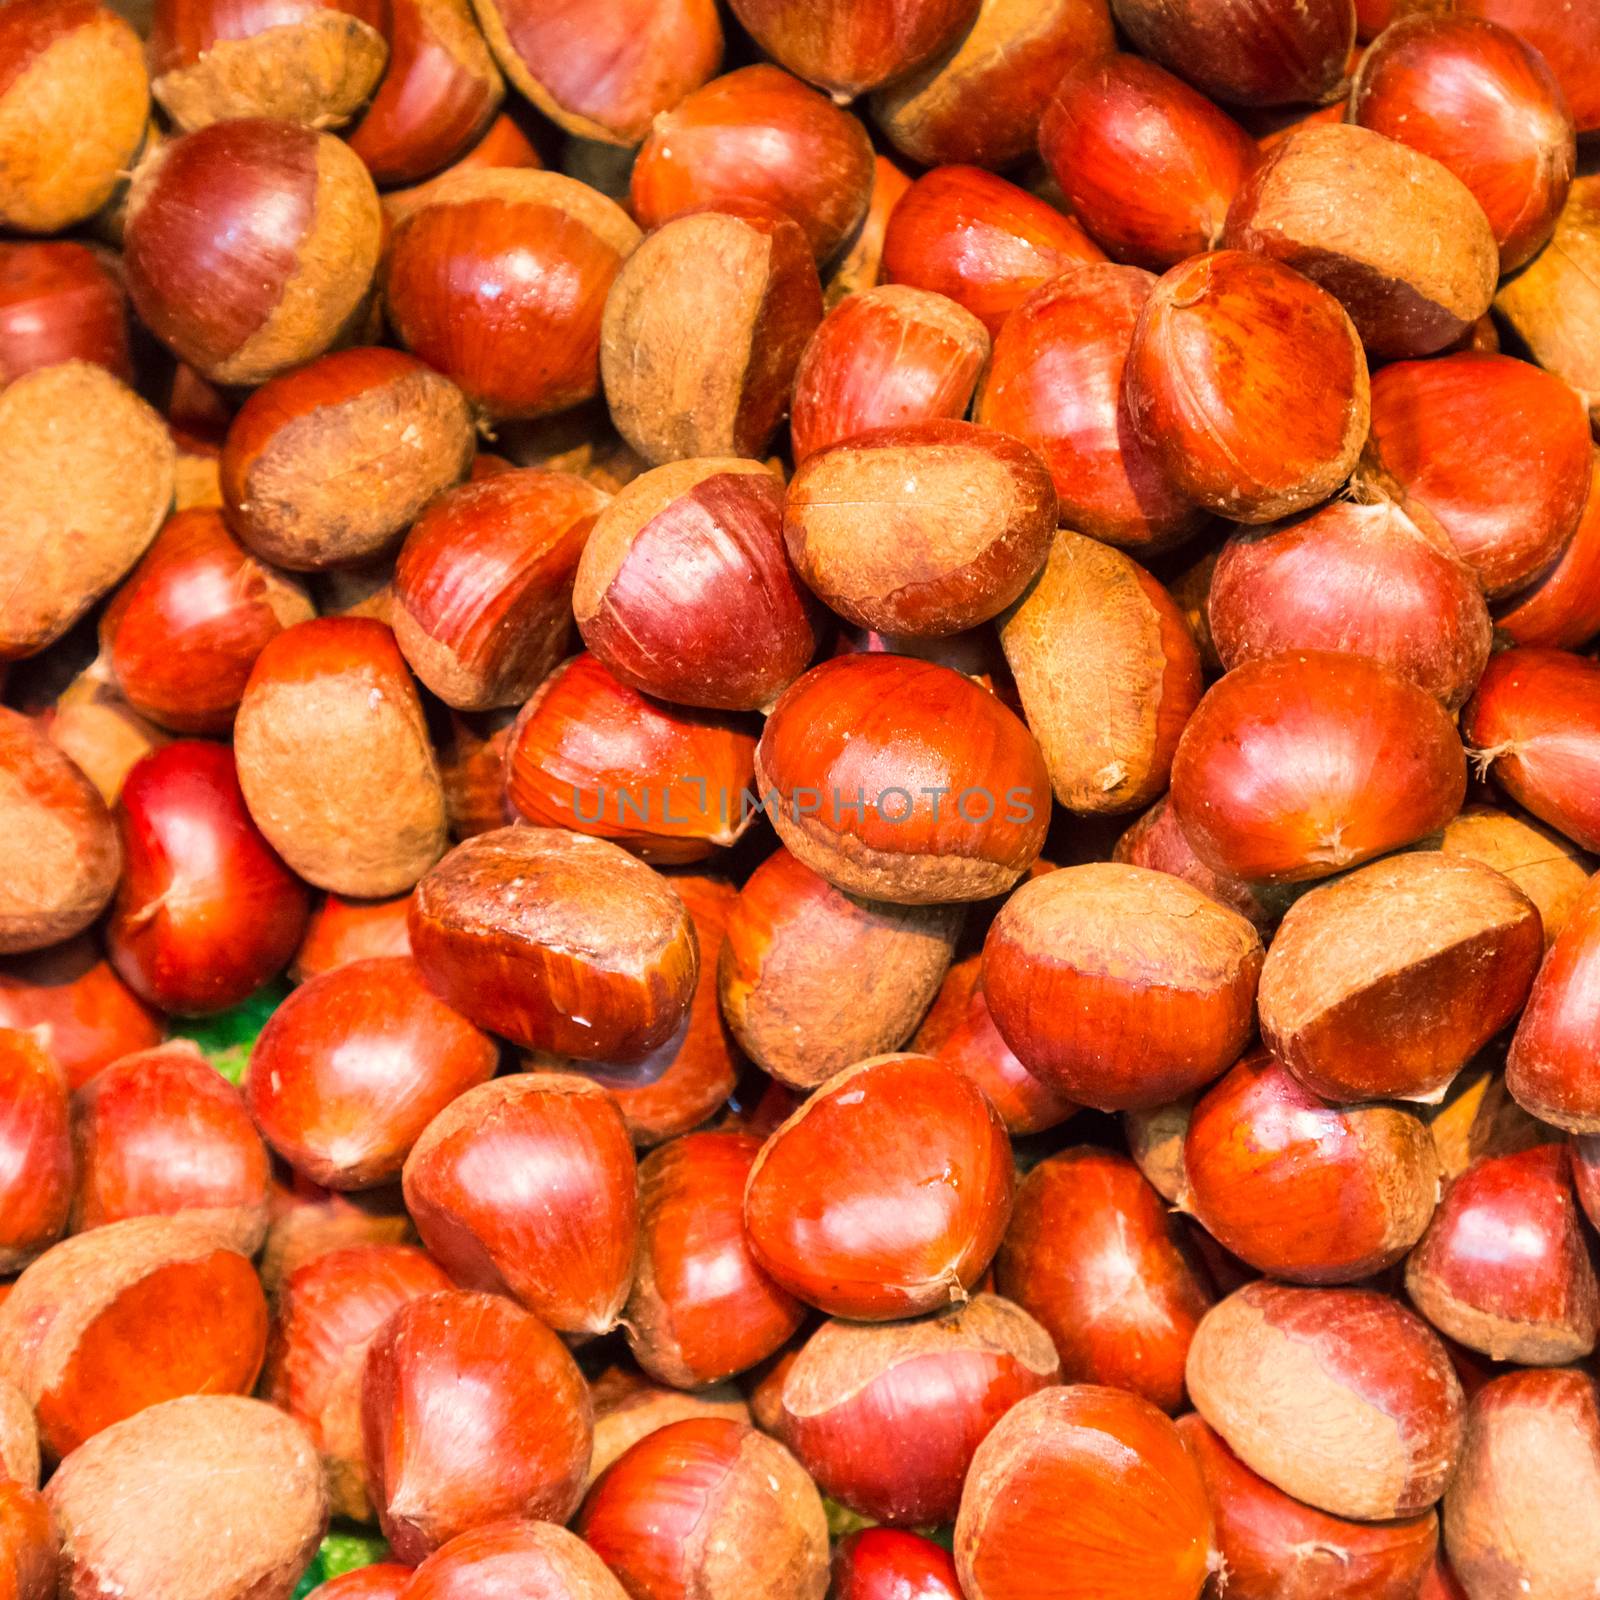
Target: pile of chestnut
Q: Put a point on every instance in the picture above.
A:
(799, 798)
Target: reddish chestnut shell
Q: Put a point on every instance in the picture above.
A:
(37, 1185)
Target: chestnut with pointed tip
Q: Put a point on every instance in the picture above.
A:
(61, 301)
(533, 1560)
(36, 1188)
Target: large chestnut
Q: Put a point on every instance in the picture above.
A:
(36, 1187)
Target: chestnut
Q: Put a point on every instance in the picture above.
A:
(205, 911)
(1148, 165)
(1095, 616)
(844, 741)
(709, 1509)
(1093, 1253)
(1561, 609)
(537, 1559)
(1273, 1546)
(1534, 726)
(1297, 766)
(596, 959)
(1517, 1517)
(912, 1146)
(437, 97)
(591, 754)
(1482, 102)
(1248, 386)
(684, 589)
(383, 1580)
(502, 144)
(29, 1543)
(286, 222)
(981, 101)
(193, 1306)
(757, 135)
(1055, 381)
(1155, 1142)
(1339, 1397)
(61, 301)
(886, 1417)
(59, 854)
(926, 529)
(328, 465)
(310, 61)
(986, 244)
(604, 74)
(1086, 1481)
(309, 1222)
(162, 1133)
(89, 480)
(742, 277)
(1360, 1004)
(888, 1563)
(1449, 437)
(812, 979)
(1359, 578)
(36, 1189)
(527, 1185)
(1120, 987)
(883, 357)
(859, 265)
(1551, 1068)
(498, 281)
(208, 1497)
(58, 169)
(1395, 236)
(627, 1406)
(848, 47)
(483, 584)
(1303, 1190)
(334, 758)
(1570, 44)
(342, 930)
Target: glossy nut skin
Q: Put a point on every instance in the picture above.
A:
(61, 301)
(1303, 1190)
(1086, 1220)
(1228, 348)
(471, 1410)
(854, 731)
(343, 930)
(891, 1564)
(1339, 1397)
(526, 1186)
(1561, 609)
(1303, 764)
(907, 1177)
(1120, 987)
(537, 1559)
(35, 1135)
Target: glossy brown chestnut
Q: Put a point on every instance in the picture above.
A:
(59, 854)
(986, 244)
(886, 1417)
(343, 930)
(812, 979)
(742, 276)
(1362, 579)
(1561, 609)
(1148, 165)
(757, 135)
(847, 742)
(1096, 1257)
(193, 1308)
(684, 589)
(383, 1580)
(205, 912)
(1248, 386)
(1534, 726)
(1297, 766)
(1493, 450)
(604, 74)
(627, 1406)
(1095, 616)
(1275, 1548)
(1339, 1397)
(504, 144)
(184, 630)
(471, 1410)
(1394, 235)
(701, 1309)
(981, 101)
(35, 1137)
(61, 301)
(1303, 1190)
(438, 95)
(1119, 987)
(250, 246)
(328, 465)
(527, 1185)
(335, 761)
(709, 1509)
(891, 1564)
(162, 1133)
(1551, 1067)
(538, 1560)
(886, 1194)
(1086, 1481)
